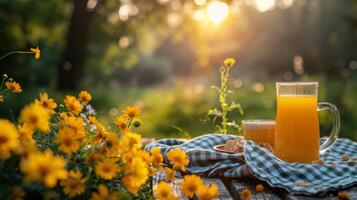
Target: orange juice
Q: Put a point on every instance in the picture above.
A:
(259, 131)
(297, 128)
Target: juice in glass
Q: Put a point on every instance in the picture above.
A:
(297, 137)
(260, 131)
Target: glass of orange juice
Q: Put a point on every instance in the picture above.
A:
(297, 133)
(259, 130)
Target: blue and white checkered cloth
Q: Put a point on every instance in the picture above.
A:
(316, 179)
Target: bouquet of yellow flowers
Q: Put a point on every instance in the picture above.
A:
(64, 151)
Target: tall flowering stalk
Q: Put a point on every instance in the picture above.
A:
(225, 108)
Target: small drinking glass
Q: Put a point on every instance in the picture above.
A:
(259, 130)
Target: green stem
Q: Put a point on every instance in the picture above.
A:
(13, 52)
(12, 116)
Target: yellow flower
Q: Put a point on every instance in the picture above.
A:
(18, 193)
(170, 174)
(136, 174)
(68, 140)
(157, 157)
(178, 158)
(43, 167)
(190, 185)
(132, 111)
(246, 194)
(164, 191)
(37, 52)
(259, 188)
(130, 141)
(74, 184)
(107, 169)
(75, 123)
(103, 194)
(84, 97)
(46, 102)
(92, 120)
(122, 121)
(72, 104)
(9, 139)
(152, 170)
(229, 62)
(112, 143)
(101, 133)
(25, 133)
(13, 86)
(36, 117)
(1, 98)
(343, 195)
(208, 193)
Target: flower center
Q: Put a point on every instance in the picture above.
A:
(3, 139)
(106, 169)
(33, 119)
(45, 104)
(67, 141)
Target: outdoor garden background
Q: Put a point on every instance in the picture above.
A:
(164, 55)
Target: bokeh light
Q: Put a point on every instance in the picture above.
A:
(217, 11)
(264, 5)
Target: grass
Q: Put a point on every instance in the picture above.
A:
(177, 111)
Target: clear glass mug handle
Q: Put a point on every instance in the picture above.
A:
(335, 128)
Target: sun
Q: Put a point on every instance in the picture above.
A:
(217, 11)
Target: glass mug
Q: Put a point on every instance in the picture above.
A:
(259, 130)
(297, 132)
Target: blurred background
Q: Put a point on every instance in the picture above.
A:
(163, 55)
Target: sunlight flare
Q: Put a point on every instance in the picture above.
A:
(217, 11)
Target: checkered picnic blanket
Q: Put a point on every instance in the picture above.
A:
(297, 178)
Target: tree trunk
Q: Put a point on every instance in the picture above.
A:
(71, 67)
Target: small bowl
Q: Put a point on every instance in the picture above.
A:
(220, 148)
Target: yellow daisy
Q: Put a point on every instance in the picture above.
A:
(74, 184)
(170, 174)
(75, 123)
(259, 188)
(68, 140)
(1, 98)
(229, 62)
(43, 167)
(107, 169)
(84, 97)
(47, 103)
(152, 170)
(132, 111)
(190, 185)
(164, 191)
(103, 194)
(9, 139)
(122, 122)
(136, 174)
(92, 120)
(246, 194)
(37, 52)
(101, 133)
(72, 104)
(13, 86)
(208, 193)
(25, 133)
(36, 117)
(129, 141)
(157, 157)
(178, 158)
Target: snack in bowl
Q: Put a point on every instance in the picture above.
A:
(237, 146)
